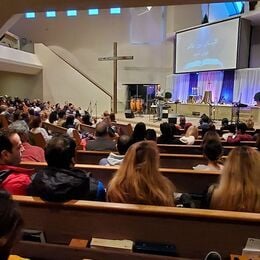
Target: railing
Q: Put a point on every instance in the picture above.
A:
(83, 74)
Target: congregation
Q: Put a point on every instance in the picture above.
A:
(138, 179)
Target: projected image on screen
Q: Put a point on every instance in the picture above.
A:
(211, 47)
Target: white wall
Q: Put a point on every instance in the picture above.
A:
(86, 38)
(62, 83)
(255, 48)
(19, 61)
(21, 85)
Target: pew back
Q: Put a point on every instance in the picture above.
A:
(54, 129)
(189, 181)
(167, 160)
(195, 232)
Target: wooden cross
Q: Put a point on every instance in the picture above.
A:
(115, 58)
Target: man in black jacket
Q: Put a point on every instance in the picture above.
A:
(59, 181)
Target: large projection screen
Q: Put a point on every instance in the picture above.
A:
(210, 47)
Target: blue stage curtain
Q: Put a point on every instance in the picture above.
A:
(193, 84)
(226, 95)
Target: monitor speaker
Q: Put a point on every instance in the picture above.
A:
(129, 114)
(172, 119)
(165, 113)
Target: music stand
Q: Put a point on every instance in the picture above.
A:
(236, 110)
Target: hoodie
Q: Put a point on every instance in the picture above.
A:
(112, 159)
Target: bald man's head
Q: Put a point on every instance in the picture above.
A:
(101, 129)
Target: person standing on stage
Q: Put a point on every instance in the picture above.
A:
(159, 97)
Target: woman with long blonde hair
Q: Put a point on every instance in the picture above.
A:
(239, 187)
(138, 180)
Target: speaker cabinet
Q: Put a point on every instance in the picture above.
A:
(129, 114)
(172, 119)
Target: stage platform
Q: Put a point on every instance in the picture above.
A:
(151, 121)
(221, 111)
(217, 112)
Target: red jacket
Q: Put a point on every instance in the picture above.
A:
(18, 180)
(239, 137)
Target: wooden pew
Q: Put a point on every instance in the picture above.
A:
(194, 232)
(37, 139)
(3, 122)
(87, 128)
(54, 129)
(167, 160)
(187, 149)
(124, 129)
(189, 181)
(121, 128)
(195, 149)
(224, 143)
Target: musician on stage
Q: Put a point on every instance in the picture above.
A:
(160, 101)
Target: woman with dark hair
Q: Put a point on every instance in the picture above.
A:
(210, 135)
(139, 181)
(150, 135)
(212, 151)
(167, 134)
(53, 117)
(138, 133)
(69, 122)
(86, 119)
(10, 224)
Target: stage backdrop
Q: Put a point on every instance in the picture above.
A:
(226, 86)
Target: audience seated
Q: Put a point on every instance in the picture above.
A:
(241, 135)
(138, 133)
(138, 180)
(112, 117)
(69, 123)
(61, 118)
(30, 153)
(44, 116)
(10, 225)
(239, 186)
(86, 119)
(150, 135)
(224, 125)
(36, 128)
(77, 120)
(102, 141)
(190, 136)
(167, 135)
(231, 132)
(210, 135)
(183, 124)
(212, 150)
(122, 147)
(53, 116)
(14, 179)
(250, 123)
(59, 181)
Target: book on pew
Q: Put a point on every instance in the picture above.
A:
(111, 243)
(252, 247)
(154, 248)
(33, 235)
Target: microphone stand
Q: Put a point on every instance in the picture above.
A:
(95, 106)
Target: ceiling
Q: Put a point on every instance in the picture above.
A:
(11, 7)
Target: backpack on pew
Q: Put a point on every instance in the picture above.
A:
(60, 185)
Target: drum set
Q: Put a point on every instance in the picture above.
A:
(137, 105)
